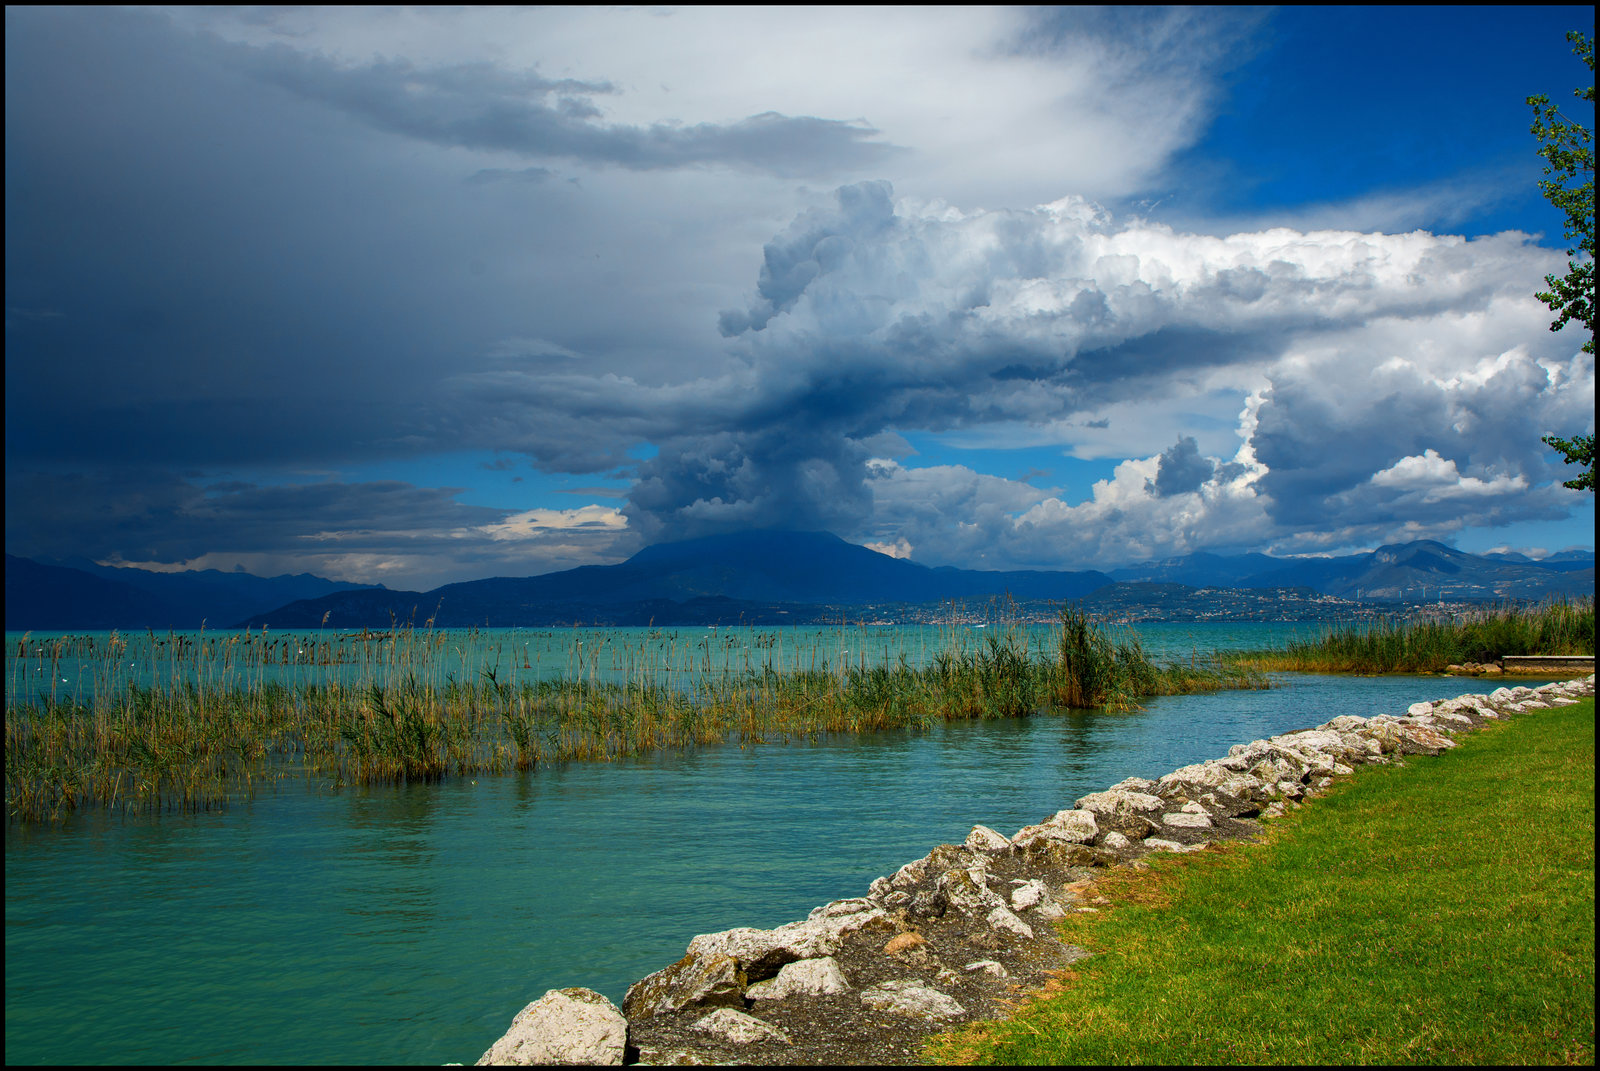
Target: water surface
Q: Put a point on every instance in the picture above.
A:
(408, 925)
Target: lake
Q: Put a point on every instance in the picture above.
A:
(408, 925)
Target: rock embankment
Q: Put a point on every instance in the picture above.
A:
(964, 932)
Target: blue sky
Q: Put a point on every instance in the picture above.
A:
(422, 295)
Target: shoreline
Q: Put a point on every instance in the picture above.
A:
(963, 933)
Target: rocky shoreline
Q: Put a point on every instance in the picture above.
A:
(965, 932)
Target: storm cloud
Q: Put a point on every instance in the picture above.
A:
(1181, 469)
(479, 106)
(868, 320)
(423, 294)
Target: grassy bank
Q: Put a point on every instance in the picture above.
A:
(1438, 913)
(1428, 646)
(214, 725)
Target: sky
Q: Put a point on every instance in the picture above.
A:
(414, 296)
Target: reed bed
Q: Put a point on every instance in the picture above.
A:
(1429, 645)
(206, 721)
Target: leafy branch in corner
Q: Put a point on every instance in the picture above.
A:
(1568, 151)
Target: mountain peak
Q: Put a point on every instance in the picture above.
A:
(761, 541)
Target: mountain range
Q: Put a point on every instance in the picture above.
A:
(758, 576)
(1422, 571)
(86, 595)
(715, 579)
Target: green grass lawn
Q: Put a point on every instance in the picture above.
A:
(1440, 912)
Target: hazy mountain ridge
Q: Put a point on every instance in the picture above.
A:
(1421, 570)
(82, 594)
(40, 596)
(759, 577)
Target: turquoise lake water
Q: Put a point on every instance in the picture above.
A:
(408, 925)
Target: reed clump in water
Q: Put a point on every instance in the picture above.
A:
(1429, 645)
(1094, 671)
(205, 722)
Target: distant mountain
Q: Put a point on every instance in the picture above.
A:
(49, 597)
(1567, 561)
(1423, 570)
(763, 571)
(757, 577)
(80, 594)
(1200, 570)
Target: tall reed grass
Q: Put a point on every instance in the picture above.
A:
(1430, 645)
(208, 723)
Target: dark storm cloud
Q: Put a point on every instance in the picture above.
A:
(147, 515)
(730, 481)
(479, 106)
(506, 174)
(220, 280)
(194, 278)
(1181, 469)
(221, 255)
(1337, 450)
(817, 242)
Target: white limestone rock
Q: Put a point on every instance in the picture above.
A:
(912, 999)
(806, 977)
(1133, 784)
(1002, 919)
(1392, 733)
(1184, 820)
(694, 979)
(1248, 754)
(565, 1026)
(1116, 802)
(739, 1028)
(1157, 844)
(910, 874)
(1028, 894)
(984, 839)
(1078, 824)
(719, 967)
(1208, 774)
(1242, 786)
(993, 968)
(968, 891)
(1322, 741)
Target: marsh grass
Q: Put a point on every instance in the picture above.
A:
(1430, 645)
(1441, 913)
(209, 723)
